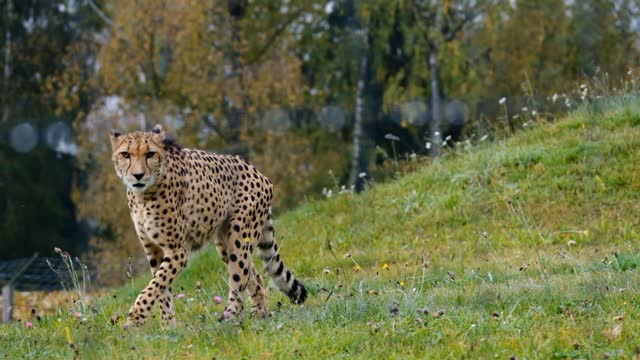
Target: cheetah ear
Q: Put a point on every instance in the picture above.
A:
(113, 136)
(158, 133)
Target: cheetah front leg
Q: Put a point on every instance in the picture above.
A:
(159, 289)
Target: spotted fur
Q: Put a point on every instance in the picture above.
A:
(181, 198)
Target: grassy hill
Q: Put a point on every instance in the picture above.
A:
(524, 248)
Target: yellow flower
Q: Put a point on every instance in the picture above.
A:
(401, 283)
(67, 332)
(247, 239)
(586, 232)
(385, 266)
(357, 268)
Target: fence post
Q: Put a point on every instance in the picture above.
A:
(7, 303)
(7, 291)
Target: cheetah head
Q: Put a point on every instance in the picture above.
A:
(139, 157)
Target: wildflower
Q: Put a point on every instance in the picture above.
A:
(534, 113)
(347, 255)
(391, 137)
(385, 266)
(247, 239)
(401, 283)
(77, 315)
(357, 268)
(502, 100)
(428, 145)
(525, 109)
(28, 324)
(484, 137)
(362, 175)
(326, 270)
(554, 97)
(217, 299)
(585, 232)
(423, 311)
(180, 296)
(373, 292)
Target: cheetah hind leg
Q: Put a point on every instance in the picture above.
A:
(257, 292)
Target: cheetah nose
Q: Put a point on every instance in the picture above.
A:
(138, 176)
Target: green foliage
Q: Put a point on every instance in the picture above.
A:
(526, 247)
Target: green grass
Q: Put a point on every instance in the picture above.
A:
(525, 247)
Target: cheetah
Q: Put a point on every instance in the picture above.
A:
(180, 199)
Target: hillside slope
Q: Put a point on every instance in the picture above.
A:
(526, 247)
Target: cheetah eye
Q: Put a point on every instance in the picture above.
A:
(150, 154)
(125, 154)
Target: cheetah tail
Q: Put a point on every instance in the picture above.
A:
(283, 278)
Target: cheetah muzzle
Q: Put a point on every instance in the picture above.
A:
(180, 199)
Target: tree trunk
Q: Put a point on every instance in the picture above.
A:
(7, 62)
(436, 105)
(358, 122)
(436, 99)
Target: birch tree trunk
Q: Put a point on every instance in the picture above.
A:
(436, 100)
(358, 121)
(7, 62)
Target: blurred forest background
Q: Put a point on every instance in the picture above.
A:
(317, 94)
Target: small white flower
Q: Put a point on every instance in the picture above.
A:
(362, 174)
(534, 113)
(502, 100)
(428, 145)
(484, 137)
(554, 97)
